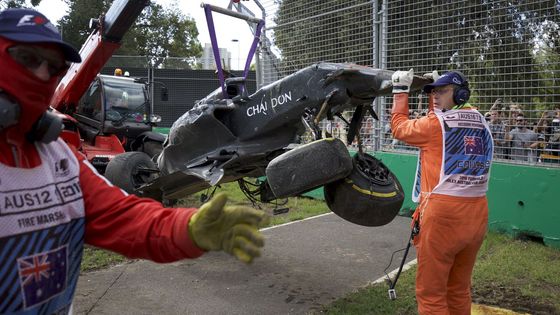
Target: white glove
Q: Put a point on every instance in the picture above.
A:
(434, 75)
(402, 80)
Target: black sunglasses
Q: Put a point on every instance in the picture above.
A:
(31, 58)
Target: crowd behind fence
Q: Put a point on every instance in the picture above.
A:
(520, 136)
(509, 50)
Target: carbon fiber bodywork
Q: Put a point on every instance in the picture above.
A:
(224, 139)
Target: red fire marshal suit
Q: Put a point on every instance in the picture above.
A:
(52, 201)
(451, 183)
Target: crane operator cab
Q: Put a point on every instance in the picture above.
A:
(114, 105)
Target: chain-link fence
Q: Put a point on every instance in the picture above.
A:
(509, 50)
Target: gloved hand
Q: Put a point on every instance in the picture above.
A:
(233, 229)
(402, 80)
(434, 75)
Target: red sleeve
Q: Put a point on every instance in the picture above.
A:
(132, 226)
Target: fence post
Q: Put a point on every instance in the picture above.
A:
(151, 85)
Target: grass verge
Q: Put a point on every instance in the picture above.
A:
(95, 259)
(517, 275)
(299, 208)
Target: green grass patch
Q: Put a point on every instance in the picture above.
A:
(516, 275)
(519, 275)
(95, 259)
(299, 208)
(375, 300)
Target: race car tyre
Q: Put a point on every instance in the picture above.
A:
(129, 170)
(152, 148)
(371, 195)
(308, 166)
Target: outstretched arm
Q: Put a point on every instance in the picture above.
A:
(142, 228)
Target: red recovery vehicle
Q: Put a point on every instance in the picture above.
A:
(106, 115)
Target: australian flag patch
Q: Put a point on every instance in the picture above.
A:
(473, 145)
(43, 276)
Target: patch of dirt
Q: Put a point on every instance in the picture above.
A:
(511, 298)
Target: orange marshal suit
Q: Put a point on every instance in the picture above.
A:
(452, 223)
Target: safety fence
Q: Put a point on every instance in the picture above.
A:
(509, 50)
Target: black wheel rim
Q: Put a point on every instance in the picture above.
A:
(372, 169)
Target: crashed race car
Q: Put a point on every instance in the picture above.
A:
(230, 136)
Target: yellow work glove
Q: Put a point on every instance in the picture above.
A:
(233, 229)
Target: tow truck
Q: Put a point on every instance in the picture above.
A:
(107, 115)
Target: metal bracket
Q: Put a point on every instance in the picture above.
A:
(308, 118)
(392, 294)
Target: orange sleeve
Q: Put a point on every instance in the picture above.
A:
(416, 132)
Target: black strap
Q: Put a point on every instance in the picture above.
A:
(415, 230)
(355, 123)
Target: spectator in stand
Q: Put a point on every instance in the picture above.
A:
(367, 131)
(544, 130)
(543, 125)
(497, 128)
(551, 151)
(523, 141)
(507, 115)
(514, 111)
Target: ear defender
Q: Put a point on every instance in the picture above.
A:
(46, 129)
(461, 93)
(9, 112)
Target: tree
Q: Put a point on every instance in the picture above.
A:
(308, 33)
(163, 33)
(4, 4)
(75, 25)
(158, 32)
(493, 42)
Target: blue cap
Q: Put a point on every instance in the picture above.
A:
(30, 26)
(451, 77)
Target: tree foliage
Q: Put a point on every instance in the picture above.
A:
(75, 25)
(309, 33)
(4, 4)
(508, 49)
(163, 33)
(158, 32)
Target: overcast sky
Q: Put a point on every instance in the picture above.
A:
(227, 28)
